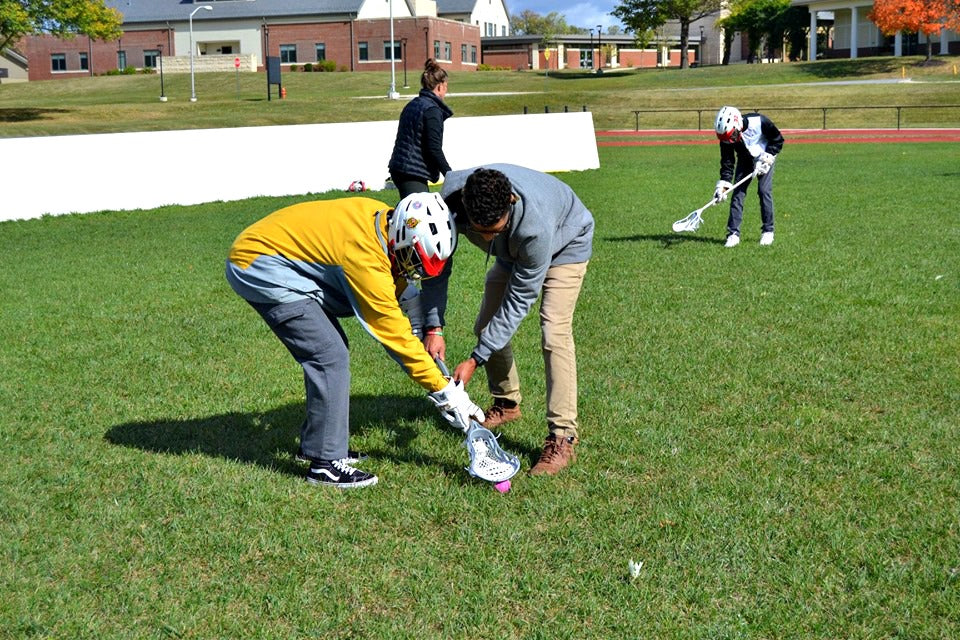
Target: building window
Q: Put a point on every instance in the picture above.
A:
(363, 52)
(150, 58)
(586, 58)
(58, 62)
(473, 54)
(288, 53)
(321, 51)
(84, 62)
(463, 53)
(491, 29)
(503, 30)
(447, 51)
(396, 50)
(436, 49)
(121, 59)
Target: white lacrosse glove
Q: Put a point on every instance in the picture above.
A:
(410, 305)
(765, 163)
(455, 405)
(722, 190)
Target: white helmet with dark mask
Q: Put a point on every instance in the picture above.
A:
(422, 235)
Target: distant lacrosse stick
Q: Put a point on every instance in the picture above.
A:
(488, 461)
(692, 221)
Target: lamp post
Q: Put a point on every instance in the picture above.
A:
(599, 48)
(193, 90)
(392, 94)
(703, 40)
(163, 96)
(403, 43)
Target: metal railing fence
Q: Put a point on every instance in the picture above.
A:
(899, 109)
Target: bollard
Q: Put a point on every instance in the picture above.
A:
(524, 109)
(566, 109)
(546, 109)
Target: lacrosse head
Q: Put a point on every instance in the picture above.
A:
(728, 125)
(422, 235)
(690, 223)
(487, 460)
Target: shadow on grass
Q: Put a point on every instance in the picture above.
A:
(270, 439)
(843, 68)
(667, 239)
(26, 115)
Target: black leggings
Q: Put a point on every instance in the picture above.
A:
(409, 184)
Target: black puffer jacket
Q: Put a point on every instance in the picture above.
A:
(418, 150)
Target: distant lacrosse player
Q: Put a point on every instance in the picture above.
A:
(748, 144)
(305, 266)
(541, 236)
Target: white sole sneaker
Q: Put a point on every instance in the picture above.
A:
(766, 239)
(732, 241)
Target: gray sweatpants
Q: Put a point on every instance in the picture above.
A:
(317, 342)
(764, 190)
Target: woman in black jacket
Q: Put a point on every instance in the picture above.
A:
(418, 151)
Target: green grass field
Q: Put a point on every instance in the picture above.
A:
(773, 432)
(130, 103)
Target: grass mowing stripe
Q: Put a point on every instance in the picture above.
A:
(773, 431)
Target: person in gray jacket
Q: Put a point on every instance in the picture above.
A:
(541, 236)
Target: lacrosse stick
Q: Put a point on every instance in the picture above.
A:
(692, 221)
(488, 461)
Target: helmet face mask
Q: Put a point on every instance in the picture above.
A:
(728, 125)
(422, 236)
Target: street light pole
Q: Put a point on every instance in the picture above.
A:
(163, 96)
(193, 89)
(599, 47)
(393, 95)
(403, 42)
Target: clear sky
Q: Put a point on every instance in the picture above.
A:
(579, 13)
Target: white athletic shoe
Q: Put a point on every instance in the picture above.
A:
(732, 240)
(766, 238)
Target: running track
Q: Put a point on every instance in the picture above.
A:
(658, 137)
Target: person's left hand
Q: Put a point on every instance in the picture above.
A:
(435, 346)
(765, 163)
(464, 371)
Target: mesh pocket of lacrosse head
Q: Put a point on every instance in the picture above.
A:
(690, 223)
(487, 460)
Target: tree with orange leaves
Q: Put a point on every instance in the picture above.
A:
(928, 17)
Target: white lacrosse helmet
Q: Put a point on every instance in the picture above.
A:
(422, 235)
(729, 124)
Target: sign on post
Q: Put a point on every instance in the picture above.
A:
(236, 65)
(273, 74)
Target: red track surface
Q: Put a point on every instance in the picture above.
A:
(659, 137)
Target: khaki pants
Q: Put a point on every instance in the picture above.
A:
(561, 289)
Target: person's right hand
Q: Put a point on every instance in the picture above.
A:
(455, 405)
(722, 190)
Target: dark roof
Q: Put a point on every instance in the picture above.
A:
(135, 11)
(455, 6)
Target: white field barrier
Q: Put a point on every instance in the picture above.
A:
(129, 171)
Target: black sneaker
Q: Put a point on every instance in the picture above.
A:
(338, 473)
(353, 457)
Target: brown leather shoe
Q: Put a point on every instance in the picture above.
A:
(558, 453)
(500, 414)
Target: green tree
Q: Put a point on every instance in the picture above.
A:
(531, 23)
(760, 20)
(644, 16)
(61, 18)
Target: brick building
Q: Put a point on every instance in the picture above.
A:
(353, 34)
